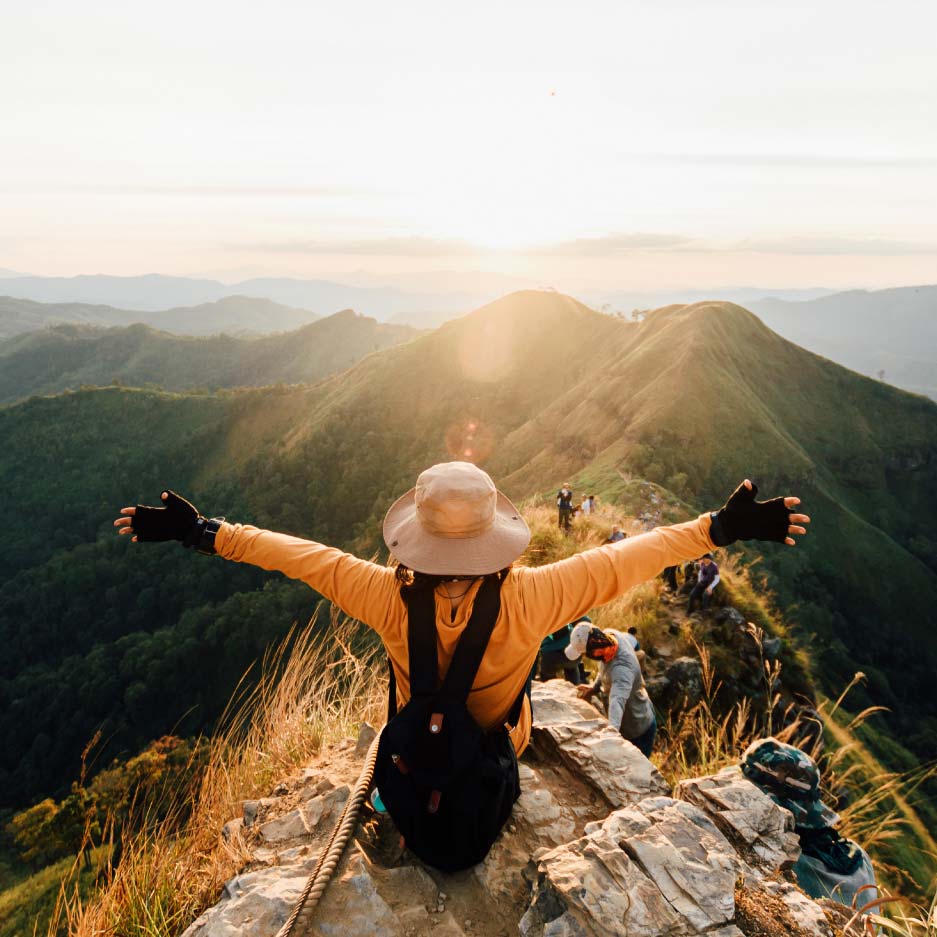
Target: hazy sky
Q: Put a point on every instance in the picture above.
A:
(615, 144)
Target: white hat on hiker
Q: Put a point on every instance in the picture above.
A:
(455, 522)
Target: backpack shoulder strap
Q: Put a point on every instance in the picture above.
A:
(474, 639)
(421, 642)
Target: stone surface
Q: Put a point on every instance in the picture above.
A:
(257, 903)
(252, 809)
(569, 729)
(759, 829)
(366, 735)
(685, 676)
(306, 819)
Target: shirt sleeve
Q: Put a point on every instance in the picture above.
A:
(362, 590)
(715, 581)
(560, 592)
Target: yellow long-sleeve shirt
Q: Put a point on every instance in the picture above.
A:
(534, 601)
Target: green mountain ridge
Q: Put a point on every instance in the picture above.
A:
(229, 314)
(65, 357)
(535, 387)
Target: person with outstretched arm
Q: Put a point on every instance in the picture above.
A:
(462, 627)
(447, 534)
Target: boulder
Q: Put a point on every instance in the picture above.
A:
(758, 828)
(729, 616)
(366, 735)
(257, 903)
(307, 819)
(685, 679)
(660, 867)
(571, 731)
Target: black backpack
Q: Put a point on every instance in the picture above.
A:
(448, 785)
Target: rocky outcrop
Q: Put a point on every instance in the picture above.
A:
(597, 846)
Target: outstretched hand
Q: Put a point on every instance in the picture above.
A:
(175, 520)
(744, 518)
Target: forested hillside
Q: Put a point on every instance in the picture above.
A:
(536, 388)
(66, 357)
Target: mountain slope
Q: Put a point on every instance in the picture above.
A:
(892, 331)
(232, 315)
(535, 387)
(69, 356)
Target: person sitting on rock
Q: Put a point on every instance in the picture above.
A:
(453, 537)
(707, 580)
(830, 866)
(630, 709)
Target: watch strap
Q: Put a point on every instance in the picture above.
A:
(206, 531)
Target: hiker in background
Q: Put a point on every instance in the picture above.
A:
(616, 534)
(553, 660)
(630, 709)
(706, 581)
(564, 504)
(633, 638)
(588, 505)
(454, 538)
(830, 866)
(669, 575)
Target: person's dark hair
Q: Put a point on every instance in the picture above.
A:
(412, 581)
(632, 630)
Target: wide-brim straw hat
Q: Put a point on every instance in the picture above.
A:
(455, 522)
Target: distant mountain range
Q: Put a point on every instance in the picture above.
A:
(535, 387)
(68, 356)
(233, 315)
(890, 333)
(886, 333)
(155, 292)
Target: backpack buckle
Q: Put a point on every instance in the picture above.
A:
(400, 764)
(435, 723)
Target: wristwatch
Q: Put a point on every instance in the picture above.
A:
(207, 529)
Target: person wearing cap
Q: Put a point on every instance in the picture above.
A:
(447, 534)
(552, 656)
(630, 709)
(830, 866)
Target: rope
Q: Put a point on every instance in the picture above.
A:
(301, 918)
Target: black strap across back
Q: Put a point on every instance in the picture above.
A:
(467, 658)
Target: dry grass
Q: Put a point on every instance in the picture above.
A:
(314, 688)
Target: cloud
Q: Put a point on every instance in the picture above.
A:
(820, 245)
(223, 191)
(386, 246)
(612, 244)
(767, 160)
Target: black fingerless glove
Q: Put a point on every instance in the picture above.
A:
(176, 520)
(744, 518)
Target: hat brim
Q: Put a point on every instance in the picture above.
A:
(424, 552)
